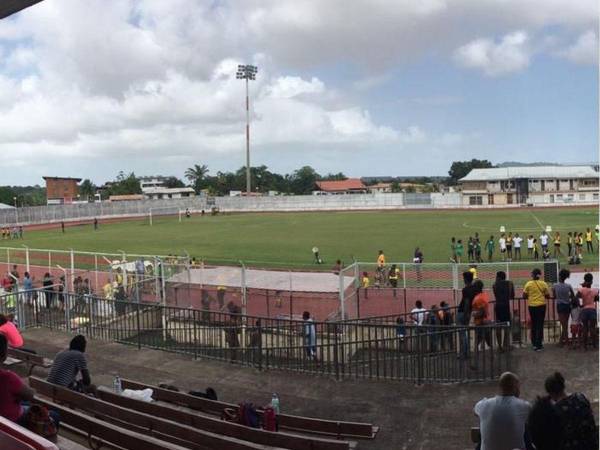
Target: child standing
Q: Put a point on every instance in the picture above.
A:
(576, 325)
(530, 241)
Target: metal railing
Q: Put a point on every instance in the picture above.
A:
(418, 353)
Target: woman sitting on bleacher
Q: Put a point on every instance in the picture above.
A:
(12, 389)
(70, 363)
(8, 329)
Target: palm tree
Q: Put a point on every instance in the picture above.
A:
(196, 174)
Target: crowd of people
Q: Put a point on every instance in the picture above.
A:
(15, 232)
(512, 247)
(556, 421)
(579, 306)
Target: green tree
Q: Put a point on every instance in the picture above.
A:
(334, 177)
(173, 182)
(196, 176)
(396, 187)
(125, 184)
(303, 180)
(460, 169)
(87, 189)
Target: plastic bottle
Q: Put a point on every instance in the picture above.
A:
(117, 387)
(275, 403)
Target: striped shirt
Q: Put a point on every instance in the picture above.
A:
(67, 364)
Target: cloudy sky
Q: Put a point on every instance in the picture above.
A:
(367, 87)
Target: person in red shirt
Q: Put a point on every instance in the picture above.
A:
(8, 329)
(12, 389)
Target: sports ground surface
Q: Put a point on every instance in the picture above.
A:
(286, 239)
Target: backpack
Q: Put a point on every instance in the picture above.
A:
(38, 420)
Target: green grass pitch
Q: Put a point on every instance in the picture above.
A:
(286, 239)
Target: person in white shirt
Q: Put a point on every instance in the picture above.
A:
(502, 245)
(517, 246)
(502, 418)
(544, 238)
(530, 246)
(418, 313)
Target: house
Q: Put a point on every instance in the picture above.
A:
(380, 188)
(154, 188)
(530, 185)
(156, 193)
(61, 190)
(336, 187)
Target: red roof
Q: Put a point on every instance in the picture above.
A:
(351, 184)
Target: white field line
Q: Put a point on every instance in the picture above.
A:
(537, 220)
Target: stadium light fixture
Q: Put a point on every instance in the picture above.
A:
(247, 72)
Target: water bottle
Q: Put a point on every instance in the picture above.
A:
(275, 403)
(117, 385)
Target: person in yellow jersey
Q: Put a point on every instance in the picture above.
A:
(380, 273)
(557, 251)
(108, 290)
(536, 292)
(473, 270)
(365, 280)
(589, 241)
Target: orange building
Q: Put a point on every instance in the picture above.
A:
(60, 190)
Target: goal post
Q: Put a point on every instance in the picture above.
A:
(155, 214)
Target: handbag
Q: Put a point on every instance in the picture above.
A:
(38, 420)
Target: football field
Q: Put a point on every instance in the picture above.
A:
(286, 239)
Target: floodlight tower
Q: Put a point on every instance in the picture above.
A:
(247, 72)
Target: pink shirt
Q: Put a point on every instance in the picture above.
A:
(12, 335)
(10, 387)
(587, 297)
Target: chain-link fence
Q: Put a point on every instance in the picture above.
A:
(395, 288)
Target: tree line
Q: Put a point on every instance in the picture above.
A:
(299, 182)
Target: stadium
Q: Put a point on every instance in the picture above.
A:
(350, 316)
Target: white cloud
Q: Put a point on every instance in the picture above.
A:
(510, 54)
(155, 80)
(584, 50)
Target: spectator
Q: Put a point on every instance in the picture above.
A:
(557, 251)
(576, 326)
(453, 249)
(481, 315)
(502, 418)
(14, 279)
(418, 313)
(504, 292)
(589, 298)
(394, 275)
(8, 329)
(575, 412)
(309, 332)
(47, 283)
(563, 295)
(530, 243)
(365, 282)
(70, 363)
(433, 330)
(544, 238)
(445, 318)
(544, 425)
(463, 314)
(338, 267)
(509, 246)
(12, 389)
(536, 292)
(28, 287)
(400, 333)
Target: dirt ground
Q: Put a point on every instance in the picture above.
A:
(410, 417)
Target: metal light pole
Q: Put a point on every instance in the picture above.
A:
(16, 211)
(247, 72)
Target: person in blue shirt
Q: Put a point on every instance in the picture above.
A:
(28, 287)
